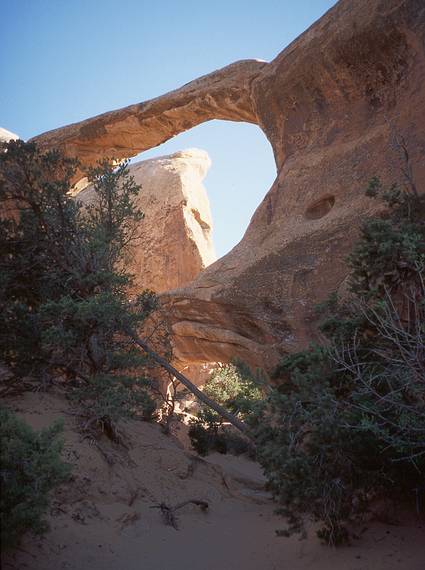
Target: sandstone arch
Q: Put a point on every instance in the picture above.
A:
(328, 104)
(124, 133)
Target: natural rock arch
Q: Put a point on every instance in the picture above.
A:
(224, 94)
(328, 104)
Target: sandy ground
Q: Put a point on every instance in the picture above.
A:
(104, 518)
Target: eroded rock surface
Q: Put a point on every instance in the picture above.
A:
(330, 105)
(175, 232)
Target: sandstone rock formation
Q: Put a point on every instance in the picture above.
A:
(176, 241)
(6, 135)
(329, 104)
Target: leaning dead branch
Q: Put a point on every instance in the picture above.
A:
(231, 418)
(169, 513)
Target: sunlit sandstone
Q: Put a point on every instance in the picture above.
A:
(330, 105)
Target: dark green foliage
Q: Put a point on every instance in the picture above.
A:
(109, 398)
(64, 307)
(30, 466)
(32, 247)
(206, 433)
(391, 249)
(235, 387)
(238, 390)
(330, 441)
(347, 423)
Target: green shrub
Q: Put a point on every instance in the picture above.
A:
(64, 306)
(206, 433)
(30, 467)
(346, 425)
(330, 442)
(237, 389)
(108, 399)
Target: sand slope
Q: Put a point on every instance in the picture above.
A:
(103, 519)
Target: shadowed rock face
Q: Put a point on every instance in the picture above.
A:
(330, 105)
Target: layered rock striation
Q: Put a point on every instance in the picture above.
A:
(331, 104)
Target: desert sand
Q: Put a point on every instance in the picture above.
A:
(106, 517)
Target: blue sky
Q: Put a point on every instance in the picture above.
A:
(65, 60)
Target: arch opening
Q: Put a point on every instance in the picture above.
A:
(243, 169)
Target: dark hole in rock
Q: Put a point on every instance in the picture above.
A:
(320, 208)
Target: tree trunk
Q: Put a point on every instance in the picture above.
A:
(241, 426)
